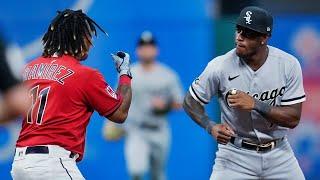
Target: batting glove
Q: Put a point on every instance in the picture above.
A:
(122, 63)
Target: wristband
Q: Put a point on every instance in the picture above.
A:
(262, 107)
(125, 80)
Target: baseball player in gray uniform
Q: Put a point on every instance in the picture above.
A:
(156, 91)
(260, 91)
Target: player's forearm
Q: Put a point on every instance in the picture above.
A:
(126, 92)
(14, 102)
(124, 89)
(7, 113)
(4, 117)
(176, 105)
(167, 108)
(285, 116)
(122, 62)
(162, 111)
(197, 113)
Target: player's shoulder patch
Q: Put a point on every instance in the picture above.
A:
(111, 92)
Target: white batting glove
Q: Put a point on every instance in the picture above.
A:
(122, 63)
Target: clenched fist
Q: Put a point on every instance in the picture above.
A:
(122, 63)
(222, 133)
(241, 100)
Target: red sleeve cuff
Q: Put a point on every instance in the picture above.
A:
(124, 80)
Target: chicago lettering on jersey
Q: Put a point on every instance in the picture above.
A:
(50, 71)
(266, 95)
(269, 95)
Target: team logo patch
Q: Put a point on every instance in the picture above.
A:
(111, 92)
(248, 17)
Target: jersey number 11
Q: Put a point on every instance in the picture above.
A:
(39, 99)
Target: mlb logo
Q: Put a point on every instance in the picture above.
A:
(268, 29)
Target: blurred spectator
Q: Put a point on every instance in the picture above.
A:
(14, 100)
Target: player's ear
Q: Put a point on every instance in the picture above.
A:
(264, 39)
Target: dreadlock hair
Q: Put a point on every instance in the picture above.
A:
(69, 33)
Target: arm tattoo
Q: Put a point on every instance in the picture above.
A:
(197, 113)
(126, 93)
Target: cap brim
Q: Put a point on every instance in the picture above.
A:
(248, 27)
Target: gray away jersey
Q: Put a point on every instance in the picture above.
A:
(278, 82)
(160, 82)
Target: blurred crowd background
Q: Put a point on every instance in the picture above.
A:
(189, 33)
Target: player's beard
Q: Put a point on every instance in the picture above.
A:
(148, 61)
(246, 54)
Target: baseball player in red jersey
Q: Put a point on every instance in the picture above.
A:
(64, 95)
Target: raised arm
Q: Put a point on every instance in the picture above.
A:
(124, 88)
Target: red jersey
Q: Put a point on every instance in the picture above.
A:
(64, 95)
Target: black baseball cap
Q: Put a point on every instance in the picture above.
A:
(146, 38)
(256, 19)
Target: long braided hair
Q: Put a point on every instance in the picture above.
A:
(70, 32)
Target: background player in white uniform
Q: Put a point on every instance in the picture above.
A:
(255, 117)
(156, 90)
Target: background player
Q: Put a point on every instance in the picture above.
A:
(256, 117)
(64, 95)
(14, 98)
(156, 91)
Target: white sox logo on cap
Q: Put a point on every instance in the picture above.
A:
(248, 17)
